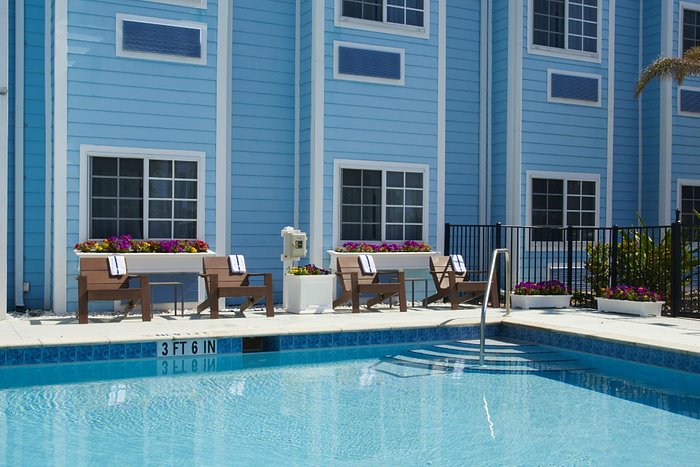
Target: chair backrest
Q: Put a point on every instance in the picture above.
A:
(439, 267)
(219, 265)
(97, 272)
(351, 263)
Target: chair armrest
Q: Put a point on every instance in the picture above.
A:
(257, 274)
(205, 275)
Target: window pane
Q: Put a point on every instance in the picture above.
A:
(414, 180)
(539, 218)
(103, 228)
(352, 195)
(371, 232)
(573, 202)
(394, 232)
(104, 166)
(131, 187)
(160, 189)
(130, 167)
(588, 203)
(414, 18)
(588, 188)
(185, 229)
(131, 227)
(186, 190)
(588, 219)
(352, 213)
(394, 179)
(371, 214)
(395, 15)
(160, 229)
(372, 178)
(556, 186)
(350, 232)
(352, 177)
(414, 198)
(414, 232)
(539, 201)
(539, 185)
(573, 218)
(104, 208)
(185, 209)
(394, 197)
(394, 215)
(160, 209)
(185, 170)
(371, 196)
(556, 201)
(160, 169)
(130, 208)
(556, 218)
(104, 187)
(414, 215)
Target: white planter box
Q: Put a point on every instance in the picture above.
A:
(157, 263)
(309, 294)
(629, 307)
(526, 302)
(404, 260)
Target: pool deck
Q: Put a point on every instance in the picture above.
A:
(678, 334)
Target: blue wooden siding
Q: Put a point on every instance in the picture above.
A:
(379, 122)
(462, 113)
(499, 110)
(651, 47)
(686, 128)
(263, 132)
(626, 137)
(34, 153)
(134, 102)
(563, 137)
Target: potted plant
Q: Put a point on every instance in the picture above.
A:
(407, 255)
(150, 256)
(309, 289)
(546, 294)
(631, 300)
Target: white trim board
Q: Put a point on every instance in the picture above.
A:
(200, 4)
(317, 155)
(19, 153)
(514, 117)
(665, 118)
(441, 126)
(610, 167)
(48, 149)
(223, 128)
(4, 156)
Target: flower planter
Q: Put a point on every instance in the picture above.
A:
(157, 263)
(309, 294)
(630, 307)
(525, 302)
(397, 260)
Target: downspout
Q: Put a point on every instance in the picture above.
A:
(4, 129)
(19, 155)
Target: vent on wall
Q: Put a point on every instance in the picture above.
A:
(369, 64)
(574, 88)
(690, 100)
(161, 39)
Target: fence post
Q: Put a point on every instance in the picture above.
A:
(613, 257)
(569, 257)
(676, 279)
(447, 238)
(499, 244)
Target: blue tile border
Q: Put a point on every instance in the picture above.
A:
(674, 360)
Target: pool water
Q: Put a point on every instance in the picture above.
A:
(418, 404)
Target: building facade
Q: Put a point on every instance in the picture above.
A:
(372, 120)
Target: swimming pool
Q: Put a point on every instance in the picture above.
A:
(413, 404)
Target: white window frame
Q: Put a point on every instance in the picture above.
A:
(536, 49)
(120, 52)
(367, 79)
(565, 177)
(562, 100)
(680, 183)
(201, 4)
(681, 9)
(340, 164)
(89, 151)
(341, 21)
(686, 113)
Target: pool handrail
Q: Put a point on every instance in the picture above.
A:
(489, 281)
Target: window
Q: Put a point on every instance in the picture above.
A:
(368, 63)
(405, 17)
(161, 39)
(381, 205)
(190, 3)
(689, 101)
(570, 25)
(561, 202)
(573, 88)
(691, 29)
(143, 197)
(690, 202)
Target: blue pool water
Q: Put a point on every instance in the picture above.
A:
(417, 404)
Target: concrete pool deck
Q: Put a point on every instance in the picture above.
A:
(679, 334)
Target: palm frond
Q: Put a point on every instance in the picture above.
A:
(670, 67)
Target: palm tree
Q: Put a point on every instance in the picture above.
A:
(671, 67)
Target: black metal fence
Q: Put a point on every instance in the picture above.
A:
(662, 258)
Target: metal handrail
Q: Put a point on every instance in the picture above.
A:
(506, 253)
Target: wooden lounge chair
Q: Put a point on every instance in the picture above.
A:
(96, 283)
(221, 282)
(458, 287)
(355, 282)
